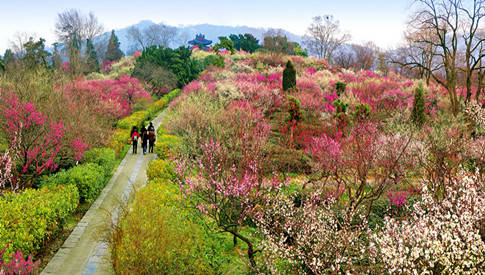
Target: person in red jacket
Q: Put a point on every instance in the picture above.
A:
(135, 137)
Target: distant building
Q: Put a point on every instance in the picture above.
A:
(200, 42)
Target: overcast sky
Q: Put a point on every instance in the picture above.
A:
(381, 21)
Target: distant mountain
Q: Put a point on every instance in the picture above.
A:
(185, 33)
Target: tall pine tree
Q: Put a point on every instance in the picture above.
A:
(91, 59)
(56, 57)
(113, 53)
(417, 114)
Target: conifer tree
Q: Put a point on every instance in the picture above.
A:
(8, 57)
(289, 77)
(113, 53)
(56, 57)
(417, 114)
(91, 58)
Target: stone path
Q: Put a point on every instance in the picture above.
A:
(86, 251)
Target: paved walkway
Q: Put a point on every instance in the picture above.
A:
(86, 250)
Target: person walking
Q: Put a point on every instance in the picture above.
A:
(151, 138)
(135, 137)
(144, 139)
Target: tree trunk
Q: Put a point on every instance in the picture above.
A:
(250, 247)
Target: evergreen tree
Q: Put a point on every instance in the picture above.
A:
(417, 114)
(2, 67)
(91, 58)
(74, 49)
(113, 53)
(8, 57)
(224, 43)
(289, 77)
(35, 54)
(56, 57)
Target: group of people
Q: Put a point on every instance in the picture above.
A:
(146, 136)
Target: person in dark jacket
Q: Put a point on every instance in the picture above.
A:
(144, 139)
(135, 137)
(151, 138)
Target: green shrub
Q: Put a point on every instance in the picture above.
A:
(340, 88)
(161, 236)
(104, 157)
(289, 77)
(165, 144)
(417, 114)
(29, 218)
(135, 119)
(161, 169)
(89, 179)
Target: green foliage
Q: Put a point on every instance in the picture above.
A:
(88, 178)
(289, 77)
(213, 60)
(35, 54)
(177, 61)
(161, 236)
(2, 66)
(362, 111)
(159, 77)
(294, 109)
(135, 119)
(340, 106)
(56, 57)
(104, 157)
(246, 42)
(113, 53)
(161, 169)
(417, 114)
(278, 44)
(340, 88)
(8, 57)
(29, 218)
(91, 58)
(224, 43)
(165, 145)
(300, 51)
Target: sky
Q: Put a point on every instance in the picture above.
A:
(380, 21)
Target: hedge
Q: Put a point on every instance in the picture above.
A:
(104, 157)
(29, 218)
(161, 169)
(89, 179)
(121, 136)
(161, 236)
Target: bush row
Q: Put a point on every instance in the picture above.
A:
(160, 235)
(29, 218)
(121, 136)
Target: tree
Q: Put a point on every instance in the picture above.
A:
(224, 43)
(417, 113)
(246, 42)
(33, 139)
(323, 37)
(35, 55)
(56, 59)
(8, 57)
(91, 59)
(439, 28)
(276, 42)
(2, 67)
(73, 23)
(289, 77)
(177, 61)
(156, 34)
(113, 53)
(72, 28)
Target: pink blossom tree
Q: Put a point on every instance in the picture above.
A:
(227, 197)
(35, 141)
